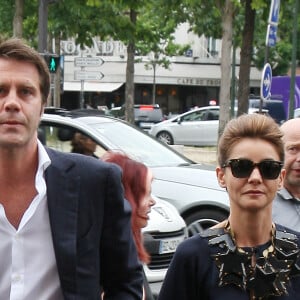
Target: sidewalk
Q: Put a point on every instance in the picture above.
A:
(198, 154)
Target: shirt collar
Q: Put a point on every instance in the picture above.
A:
(286, 195)
(44, 159)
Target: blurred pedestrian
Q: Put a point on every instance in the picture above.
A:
(246, 256)
(83, 144)
(64, 224)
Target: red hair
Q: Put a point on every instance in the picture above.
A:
(134, 181)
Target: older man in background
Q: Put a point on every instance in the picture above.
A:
(286, 207)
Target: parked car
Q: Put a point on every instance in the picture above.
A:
(192, 188)
(145, 115)
(165, 231)
(198, 127)
(275, 108)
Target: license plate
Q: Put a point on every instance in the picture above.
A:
(169, 245)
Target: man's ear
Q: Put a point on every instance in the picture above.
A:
(221, 176)
(281, 179)
(42, 109)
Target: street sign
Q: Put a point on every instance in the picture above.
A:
(274, 12)
(271, 35)
(266, 80)
(88, 75)
(88, 61)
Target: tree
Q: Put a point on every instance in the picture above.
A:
(206, 18)
(227, 20)
(154, 24)
(18, 18)
(246, 58)
(216, 21)
(137, 24)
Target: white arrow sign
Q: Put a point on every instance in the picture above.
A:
(88, 75)
(88, 61)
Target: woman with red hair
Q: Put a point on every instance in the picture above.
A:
(137, 179)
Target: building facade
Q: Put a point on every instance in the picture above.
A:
(191, 80)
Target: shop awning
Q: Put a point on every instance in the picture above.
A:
(92, 86)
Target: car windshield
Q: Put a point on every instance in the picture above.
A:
(138, 145)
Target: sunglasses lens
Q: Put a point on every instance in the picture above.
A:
(241, 168)
(269, 169)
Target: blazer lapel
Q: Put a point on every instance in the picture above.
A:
(62, 197)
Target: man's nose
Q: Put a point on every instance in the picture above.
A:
(11, 101)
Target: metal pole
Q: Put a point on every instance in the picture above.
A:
(42, 26)
(154, 84)
(81, 104)
(293, 66)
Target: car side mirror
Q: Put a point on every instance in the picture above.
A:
(179, 120)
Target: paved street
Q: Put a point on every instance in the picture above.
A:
(198, 154)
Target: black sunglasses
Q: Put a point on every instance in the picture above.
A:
(242, 168)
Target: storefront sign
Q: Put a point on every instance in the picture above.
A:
(199, 81)
(105, 48)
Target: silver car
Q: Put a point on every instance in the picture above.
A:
(191, 187)
(197, 127)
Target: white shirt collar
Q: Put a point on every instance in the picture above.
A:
(44, 159)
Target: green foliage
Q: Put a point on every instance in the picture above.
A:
(6, 17)
(156, 22)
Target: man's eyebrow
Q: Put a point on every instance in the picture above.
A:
(292, 144)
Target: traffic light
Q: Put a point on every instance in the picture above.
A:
(53, 62)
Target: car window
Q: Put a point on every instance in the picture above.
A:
(110, 134)
(60, 138)
(212, 115)
(138, 145)
(194, 116)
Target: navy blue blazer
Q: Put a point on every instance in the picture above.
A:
(90, 223)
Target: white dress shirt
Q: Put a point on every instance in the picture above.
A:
(27, 262)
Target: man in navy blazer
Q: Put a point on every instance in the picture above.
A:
(64, 224)
(90, 217)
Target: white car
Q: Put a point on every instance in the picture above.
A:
(197, 127)
(191, 187)
(165, 231)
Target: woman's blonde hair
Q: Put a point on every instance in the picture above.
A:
(249, 126)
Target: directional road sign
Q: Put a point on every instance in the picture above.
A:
(88, 61)
(274, 12)
(88, 75)
(271, 35)
(266, 80)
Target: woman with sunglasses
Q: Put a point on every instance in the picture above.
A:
(246, 256)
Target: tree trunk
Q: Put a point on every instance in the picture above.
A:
(227, 19)
(129, 85)
(18, 19)
(245, 61)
